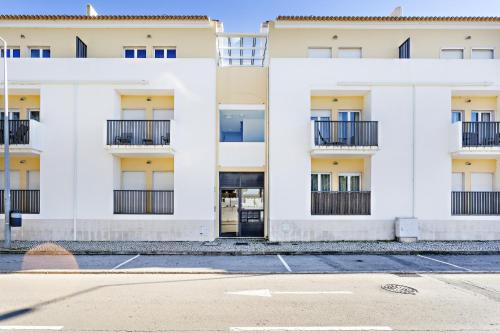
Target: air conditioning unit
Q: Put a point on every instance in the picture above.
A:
(406, 229)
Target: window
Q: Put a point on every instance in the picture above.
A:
(320, 182)
(320, 52)
(169, 52)
(163, 181)
(130, 114)
(13, 114)
(457, 181)
(137, 52)
(481, 181)
(40, 52)
(242, 126)
(14, 52)
(163, 114)
(456, 116)
(81, 48)
(133, 180)
(349, 182)
(14, 180)
(33, 180)
(34, 114)
(481, 116)
(350, 52)
(483, 54)
(452, 53)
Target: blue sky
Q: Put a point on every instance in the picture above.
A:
(246, 15)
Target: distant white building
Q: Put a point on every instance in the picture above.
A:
(315, 128)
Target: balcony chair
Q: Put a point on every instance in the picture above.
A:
(124, 139)
(165, 140)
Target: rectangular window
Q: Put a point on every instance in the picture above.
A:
(13, 114)
(349, 182)
(457, 181)
(133, 180)
(12, 52)
(163, 181)
(481, 181)
(456, 116)
(320, 52)
(452, 53)
(242, 126)
(320, 182)
(33, 180)
(163, 114)
(481, 116)
(34, 114)
(14, 180)
(483, 54)
(135, 52)
(349, 52)
(130, 114)
(40, 52)
(81, 48)
(165, 52)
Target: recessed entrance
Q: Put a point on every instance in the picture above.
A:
(241, 204)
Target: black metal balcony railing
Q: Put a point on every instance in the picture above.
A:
(340, 203)
(19, 132)
(481, 134)
(138, 132)
(24, 201)
(345, 133)
(143, 202)
(475, 203)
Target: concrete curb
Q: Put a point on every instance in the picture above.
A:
(252, 253)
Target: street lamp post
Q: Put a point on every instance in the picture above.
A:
(6, 138)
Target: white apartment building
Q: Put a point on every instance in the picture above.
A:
(315, 128)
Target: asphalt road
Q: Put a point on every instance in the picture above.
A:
(248, 303)
(252, 264)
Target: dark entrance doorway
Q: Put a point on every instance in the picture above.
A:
(241, 204)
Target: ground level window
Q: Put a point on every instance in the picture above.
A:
(320, 182)
(349, 182)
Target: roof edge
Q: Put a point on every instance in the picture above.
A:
(22, 17)
(389, 18)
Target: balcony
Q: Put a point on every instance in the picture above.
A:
(340, 203)
(25, 136)
(143, 202)
(136, 137)
(475, 203)
(333, 138)
(24, 201)
(475, 138)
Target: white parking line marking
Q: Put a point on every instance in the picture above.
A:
(446, 263)
(335, 292)
(125, 262)
(284, 263)
(310, 329)
(31, 328)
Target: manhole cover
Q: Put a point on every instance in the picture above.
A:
(400, 289)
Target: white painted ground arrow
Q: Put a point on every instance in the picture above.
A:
(269, 293)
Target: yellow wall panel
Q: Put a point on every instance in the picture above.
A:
(141, 102)
(477, 103)
(476, 165)
(16, 102)
(336, 166)
(342, 103)
(23, 164)
(141, 164)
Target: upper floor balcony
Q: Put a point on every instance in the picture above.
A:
(25, 136)
(475, 138)
(344, 137)
(137, 137)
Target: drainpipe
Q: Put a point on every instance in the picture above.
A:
(413, 140)
(75, 159)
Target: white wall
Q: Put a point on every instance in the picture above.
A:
(85, 92)
(399, 93)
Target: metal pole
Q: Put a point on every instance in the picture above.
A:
(6, 138)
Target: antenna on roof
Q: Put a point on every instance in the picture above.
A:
(397, 12)
(91, 10)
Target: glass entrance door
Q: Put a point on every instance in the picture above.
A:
(241, 208)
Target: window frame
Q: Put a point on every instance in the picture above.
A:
(41, 50)
(461, 112)
(481, 112)
(10, 52)
(30, 110)
(350, 48)
(165, 52)
(452, 48)
(319, 181)
(492, 49)
(241, 108)
(135, 49)
(309, 48)
(349, 175)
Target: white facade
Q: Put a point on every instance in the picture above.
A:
(411, 171)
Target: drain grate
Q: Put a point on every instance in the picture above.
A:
(272, 243)
(241, 243)
(210, 243)
(400, 289)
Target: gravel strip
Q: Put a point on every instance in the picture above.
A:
(253, 247)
